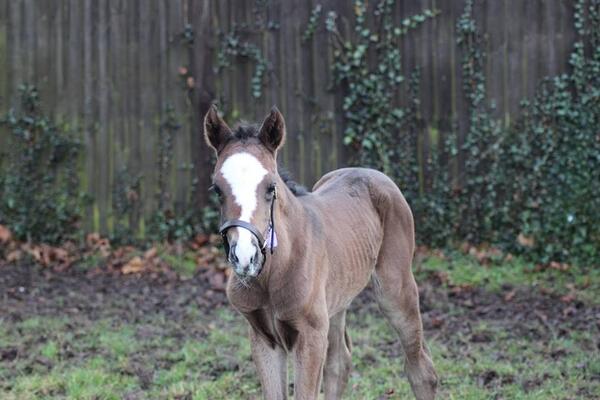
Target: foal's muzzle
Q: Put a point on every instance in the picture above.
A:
(247, 258)
(251, 263)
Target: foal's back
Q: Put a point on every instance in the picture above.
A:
(359, 208)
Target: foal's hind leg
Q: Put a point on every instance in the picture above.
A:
(338, 362)
(398, 298)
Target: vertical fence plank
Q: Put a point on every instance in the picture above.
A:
(515, 48)
(5, 58)
(201, 57)
(75, 56)
(565, 35)
(44, 59)
(88, 122)
(4, 71)
(29, 37)
(114, 98)
(59, 57)
(105, 133)
(495, 59)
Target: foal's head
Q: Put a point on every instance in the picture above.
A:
(245, 178)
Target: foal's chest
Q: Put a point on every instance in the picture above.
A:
(275, 330)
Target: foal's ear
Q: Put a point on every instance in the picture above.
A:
(216, 131)
(272, 131)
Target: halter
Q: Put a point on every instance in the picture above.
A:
(252, 229)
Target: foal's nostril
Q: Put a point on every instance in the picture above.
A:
(232, 256)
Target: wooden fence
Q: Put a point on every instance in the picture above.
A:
(109, 67)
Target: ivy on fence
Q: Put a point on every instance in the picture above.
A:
(370, 70)
(531, 188)
(39, 188)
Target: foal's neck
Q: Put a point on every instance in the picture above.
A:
(289, 220)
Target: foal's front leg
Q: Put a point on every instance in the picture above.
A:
(270, 360)
(309, 357)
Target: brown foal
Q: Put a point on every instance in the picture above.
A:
(300, 260)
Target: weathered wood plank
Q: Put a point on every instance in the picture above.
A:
(4, 58)
(4, 70)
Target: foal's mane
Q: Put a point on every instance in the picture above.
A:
(245, 131)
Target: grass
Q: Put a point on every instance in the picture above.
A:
(208, 356)
(109, 363)
(583, 282)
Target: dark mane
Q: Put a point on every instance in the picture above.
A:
(295, 187)
(245, 131)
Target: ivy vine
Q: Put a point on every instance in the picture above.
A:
(39, 187)
(313, 21)
(370, 70)
(231, 47)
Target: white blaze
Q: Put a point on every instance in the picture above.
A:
(243, 172)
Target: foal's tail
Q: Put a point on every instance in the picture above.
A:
(396, 217)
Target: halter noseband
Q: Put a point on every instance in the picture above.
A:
(262, 244)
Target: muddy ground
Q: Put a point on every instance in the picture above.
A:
(451, 315)
(29, 291)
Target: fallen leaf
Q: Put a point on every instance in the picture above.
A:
(133, 266)
(201, 239)
(559, 266)
(568, 298)
(525, 241)
(92, 239)
(35, 252)
(150, 253)
(5, 234)
(510, 295)
(14, 256)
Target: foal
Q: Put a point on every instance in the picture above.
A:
(300, 260)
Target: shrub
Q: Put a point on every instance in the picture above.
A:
(39, 188)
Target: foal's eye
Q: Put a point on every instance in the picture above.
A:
(215, 189)
(270, 191)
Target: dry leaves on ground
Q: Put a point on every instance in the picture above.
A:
(127, 260)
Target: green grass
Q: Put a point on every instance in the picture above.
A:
(584, 282)
(184, 264)
(108, 363)
(208, 356)
(509, 368)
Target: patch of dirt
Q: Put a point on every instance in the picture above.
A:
(523, 312)
(454, 314)
(448, 314)
(26, 291)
